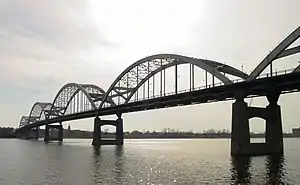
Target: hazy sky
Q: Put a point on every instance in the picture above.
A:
(46, 44)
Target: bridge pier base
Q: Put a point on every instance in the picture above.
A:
(274, 124)
(97, 139)
(119, 131)
(97, 132)
(32, 134)
(36, 133)
(240, 135)
(48, 136)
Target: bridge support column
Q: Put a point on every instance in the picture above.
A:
(97, 139)
(31, 134)
(36, 133)
(60, 133)
(240, 135)
(119, 131)
(47, 134)
(274, 136)
(97, 132)
(49, 137)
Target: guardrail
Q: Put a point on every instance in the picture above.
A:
(264, 75)
(275, 73)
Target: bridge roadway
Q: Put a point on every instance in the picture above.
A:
(286, 83)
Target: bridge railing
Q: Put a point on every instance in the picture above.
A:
(276, 73)
(264, 75)
(178, 92)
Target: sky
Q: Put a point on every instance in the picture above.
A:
(46, 44)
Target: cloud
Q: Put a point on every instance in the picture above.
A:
(47, 43)
(44, 40)
(60, 25)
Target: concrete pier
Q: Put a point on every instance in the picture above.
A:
(49, 138)
(32, 134)
(274, 124)
(36, 133)
(97, 132)
(240, 136)
(97, 139)
(119, 131)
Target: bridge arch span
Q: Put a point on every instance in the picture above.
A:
(44, 112)
(65, 95)
(68, 92)
(153, 73)
(38, 108)
(279, 51)
(139, 72)
(24, 121)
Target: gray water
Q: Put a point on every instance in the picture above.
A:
(163, 161)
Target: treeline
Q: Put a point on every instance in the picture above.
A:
(6, 132)
(172, 133)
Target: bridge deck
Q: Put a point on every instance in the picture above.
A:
(286, 83)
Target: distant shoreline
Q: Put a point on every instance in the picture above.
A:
(216, 137)
(8, 133)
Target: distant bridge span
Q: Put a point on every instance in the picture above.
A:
(144, 85)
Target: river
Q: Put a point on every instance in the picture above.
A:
(149, 161)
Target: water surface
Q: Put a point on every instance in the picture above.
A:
(164, 161)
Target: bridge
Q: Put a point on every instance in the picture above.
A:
(144, 86)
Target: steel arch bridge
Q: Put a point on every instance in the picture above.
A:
(74, 98)
(146, 79)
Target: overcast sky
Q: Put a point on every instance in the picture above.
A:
(46, 44)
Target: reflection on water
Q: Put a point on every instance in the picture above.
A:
(275, 169)
(274, 164)
(240, 169)
(117, 168)
(164, 161)
(96, 150)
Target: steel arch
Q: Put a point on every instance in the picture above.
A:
(35, 113)
(65, 87)
(37, 109)
(61, 103)
(225, 68)
(235, 71)
(210, 66)
(88, 88)
(23, 121)
(279, 52)
(46, 108)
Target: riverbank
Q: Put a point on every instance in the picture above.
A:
(80, 134)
